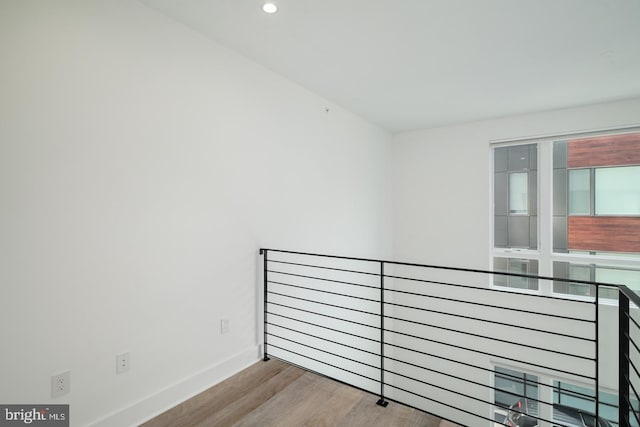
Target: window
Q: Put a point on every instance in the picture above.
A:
(568, 208)
(583, 398)
(617, 191)
(518, 266)
(580, 192)
(574, 272)
(519, 193)
(515, 188)
(511, 385)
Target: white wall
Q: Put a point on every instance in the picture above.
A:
(141, 168)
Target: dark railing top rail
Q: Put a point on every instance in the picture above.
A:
(633, 297)
(623, 289)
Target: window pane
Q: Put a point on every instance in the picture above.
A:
(510, 388)
(579, 272)
(519, 193)
(566, 270)
(583, 398)
(515, 197)
(590, 272)
(579, 192)
(617, 191)
(629, 278)
(520, 232)
(518, 266)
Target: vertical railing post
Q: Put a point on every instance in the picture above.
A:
(263, 252)
(623, 360)
(381, 401)
(597, 336)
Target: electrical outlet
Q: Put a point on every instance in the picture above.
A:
(123, 363)
(60, 384)
(224, 326)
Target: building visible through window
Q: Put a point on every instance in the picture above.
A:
(512, 385)
(590, 210)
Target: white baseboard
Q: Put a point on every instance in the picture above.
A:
(167, 398)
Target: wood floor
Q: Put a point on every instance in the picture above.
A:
(274, 393)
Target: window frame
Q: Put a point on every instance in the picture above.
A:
(544, 254)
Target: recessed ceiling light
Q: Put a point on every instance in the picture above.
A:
(269, 8)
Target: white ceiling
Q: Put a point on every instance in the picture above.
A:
(408, 64)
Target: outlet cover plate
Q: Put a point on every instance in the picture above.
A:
(60, 384)
(123, 363)
(224, 326)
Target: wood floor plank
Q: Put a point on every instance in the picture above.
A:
(291, 399)
(252, 399)
(218, 397)
(276, 394)
(329, 412)
(365, 412)
(297, 415)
